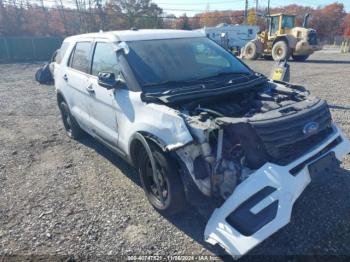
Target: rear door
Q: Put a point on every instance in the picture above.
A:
(101, 100)
(76, 77)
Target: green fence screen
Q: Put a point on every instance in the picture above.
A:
(21, 49)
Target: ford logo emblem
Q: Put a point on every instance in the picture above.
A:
(310, 128)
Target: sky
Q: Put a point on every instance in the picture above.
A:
(191, 7)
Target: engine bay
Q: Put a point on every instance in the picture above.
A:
(246, 104)
(237, 134)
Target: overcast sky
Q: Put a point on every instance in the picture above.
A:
(191, 7)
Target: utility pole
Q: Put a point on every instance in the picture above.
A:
(246, 12)
(268, 7)
(256, 9)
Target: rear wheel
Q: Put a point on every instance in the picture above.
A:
(300, 58)
(250, 51)
(71, 126)
(165, 190)
(280, 51)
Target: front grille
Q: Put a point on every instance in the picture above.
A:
(312, 38)
(292, 151)
(284, 139)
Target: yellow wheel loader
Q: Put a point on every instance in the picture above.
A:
(283, 40)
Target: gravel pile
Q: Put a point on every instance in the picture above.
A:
(60, 197)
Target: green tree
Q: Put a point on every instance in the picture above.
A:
(139, 13)
(183, 23)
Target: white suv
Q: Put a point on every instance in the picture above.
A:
(200, 127)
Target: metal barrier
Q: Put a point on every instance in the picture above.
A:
(27, 49)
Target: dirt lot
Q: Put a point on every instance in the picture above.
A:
(62, 197)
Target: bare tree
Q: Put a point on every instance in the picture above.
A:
(47, 25)
(60, 7)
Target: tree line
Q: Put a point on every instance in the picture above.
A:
(34, 18)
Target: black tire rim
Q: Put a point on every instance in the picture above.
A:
(67, 121)
(159, 198)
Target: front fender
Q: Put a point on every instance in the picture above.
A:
(168, 137)
(290, 40)
(158, 121)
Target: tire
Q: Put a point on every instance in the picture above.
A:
(71, 126)
(280, 51)
(300, 58)
(250, 51)
(170, 182)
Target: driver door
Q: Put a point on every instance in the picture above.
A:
(274, 25)
(101, 101)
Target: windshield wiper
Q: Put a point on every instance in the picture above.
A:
(197, 80)
(228, 74)
(172, 82)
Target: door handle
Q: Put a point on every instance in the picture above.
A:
(65, 78)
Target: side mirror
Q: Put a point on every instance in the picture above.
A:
(108, 80)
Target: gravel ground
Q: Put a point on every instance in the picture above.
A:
(69, 198)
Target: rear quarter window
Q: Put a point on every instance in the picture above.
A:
(80, 57)
(61, 52)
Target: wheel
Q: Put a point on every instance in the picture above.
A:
(71, 126)
(250, 51)
(168, 197)
(280, 51)
(300, 58)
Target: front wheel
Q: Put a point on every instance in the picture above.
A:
(164, 189)
(280, 51)
(72, 128)
(300, 58)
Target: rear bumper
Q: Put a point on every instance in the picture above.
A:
(262, 204)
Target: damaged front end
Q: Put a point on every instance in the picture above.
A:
(253, 151)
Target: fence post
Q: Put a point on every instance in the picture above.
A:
(34, 49)
(342, 47)
(7, 49)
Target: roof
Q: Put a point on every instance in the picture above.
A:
(139, 35)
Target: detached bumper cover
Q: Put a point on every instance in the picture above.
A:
(262, 204)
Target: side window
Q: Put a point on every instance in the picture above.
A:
(105, 59)
(274, 24)
(80, 59)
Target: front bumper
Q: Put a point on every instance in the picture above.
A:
(262, 204)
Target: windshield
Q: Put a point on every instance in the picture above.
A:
(156, 62)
